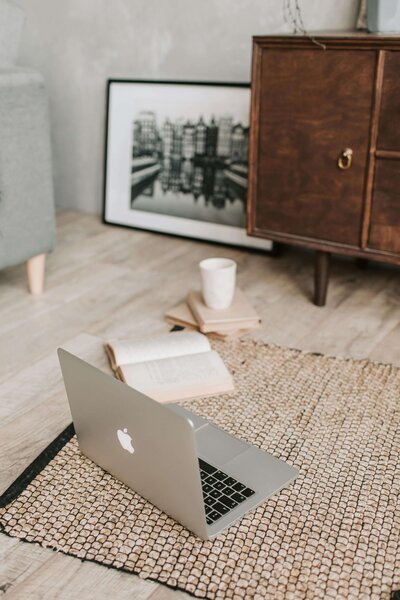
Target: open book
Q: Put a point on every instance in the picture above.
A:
(170, 367)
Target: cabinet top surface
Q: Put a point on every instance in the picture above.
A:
(331, 38)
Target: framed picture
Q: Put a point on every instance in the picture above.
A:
(176, 159)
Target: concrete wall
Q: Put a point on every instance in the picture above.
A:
(78, 44)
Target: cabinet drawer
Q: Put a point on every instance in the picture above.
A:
(389, 121)
(384, 233)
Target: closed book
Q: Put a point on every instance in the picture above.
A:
(181, 315)
(239, 315)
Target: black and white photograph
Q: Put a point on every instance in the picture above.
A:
(177, 159)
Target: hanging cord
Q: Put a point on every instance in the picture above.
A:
(292, 16)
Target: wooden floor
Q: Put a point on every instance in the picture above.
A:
(105, 282)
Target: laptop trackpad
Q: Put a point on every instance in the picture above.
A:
(216, 446)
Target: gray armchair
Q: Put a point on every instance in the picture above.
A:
(27, 224)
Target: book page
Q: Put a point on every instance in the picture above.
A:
(153, 348)
(179, 377)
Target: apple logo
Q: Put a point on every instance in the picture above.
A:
(125, 440)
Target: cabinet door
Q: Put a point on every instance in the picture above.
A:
(384, 233)
(313, 104)
(389, 122)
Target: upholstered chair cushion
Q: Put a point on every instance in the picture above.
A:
(27, 226)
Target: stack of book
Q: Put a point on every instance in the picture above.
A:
(239, 319)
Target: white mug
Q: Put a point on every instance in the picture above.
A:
(218, 276)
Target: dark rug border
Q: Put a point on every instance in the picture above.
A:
(36, 466)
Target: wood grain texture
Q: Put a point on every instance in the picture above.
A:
(313, 105)
(321, 277)
(334, 248)
(332, 40)
(106, 281)
(389, 122)
(391, 154)
(371, 160)
(14, 561)
(63, 577)
(385, 216)
(254, 145)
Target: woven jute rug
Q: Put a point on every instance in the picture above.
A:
(334, 533)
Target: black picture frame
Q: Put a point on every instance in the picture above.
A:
(122, 189)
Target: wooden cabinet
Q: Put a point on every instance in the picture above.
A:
(325, 146)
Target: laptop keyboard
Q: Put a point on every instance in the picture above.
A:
(221, 492)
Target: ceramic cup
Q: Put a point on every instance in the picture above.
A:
(218, 276)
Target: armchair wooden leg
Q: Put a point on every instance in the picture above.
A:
(35, 268)
(321, 277)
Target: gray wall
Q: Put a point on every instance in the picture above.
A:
(78, 44)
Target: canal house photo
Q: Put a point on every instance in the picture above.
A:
(177, 159)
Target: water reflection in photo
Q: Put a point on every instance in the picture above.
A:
(196, 171)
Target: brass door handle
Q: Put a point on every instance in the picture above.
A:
(345, 159)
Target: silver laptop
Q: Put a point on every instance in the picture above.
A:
(199, 475)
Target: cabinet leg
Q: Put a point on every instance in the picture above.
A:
(321, 277)
(362, 263)
(277, 249)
